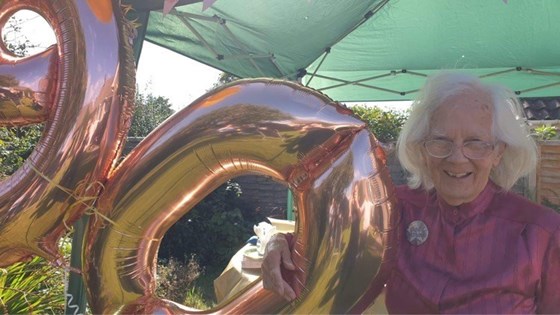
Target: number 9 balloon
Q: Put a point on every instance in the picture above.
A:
(82, 89)
(294, 134)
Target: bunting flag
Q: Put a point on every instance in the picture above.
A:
(207, 3)
(168, 5)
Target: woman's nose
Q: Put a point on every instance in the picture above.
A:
(457, 154)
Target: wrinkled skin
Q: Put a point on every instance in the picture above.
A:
(277, 253)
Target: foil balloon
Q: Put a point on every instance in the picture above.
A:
(82, 89)
(328, 158)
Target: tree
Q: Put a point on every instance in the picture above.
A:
(16, 143)
(224, 78)
(150, 111)
(385, 124)
(15, 40)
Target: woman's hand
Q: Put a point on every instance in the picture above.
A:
(276, 254)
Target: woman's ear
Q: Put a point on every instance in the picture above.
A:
(500, 152)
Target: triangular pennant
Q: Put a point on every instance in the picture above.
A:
(207, 3)
(168, 5)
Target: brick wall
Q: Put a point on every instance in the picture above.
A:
(269, 196)
(264, 194)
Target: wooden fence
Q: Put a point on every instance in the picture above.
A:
(548, 173)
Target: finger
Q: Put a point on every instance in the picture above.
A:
(278, 288)
(279, 244)
(287, 259)
(277, 253)
(289, 293)
(271, 273)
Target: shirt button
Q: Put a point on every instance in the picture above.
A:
(455, 212)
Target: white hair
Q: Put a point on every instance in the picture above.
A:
(520, 154)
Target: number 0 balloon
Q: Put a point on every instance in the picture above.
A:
(279, 129)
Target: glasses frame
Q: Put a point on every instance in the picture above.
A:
(491, 146)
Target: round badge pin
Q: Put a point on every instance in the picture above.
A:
(417, 232)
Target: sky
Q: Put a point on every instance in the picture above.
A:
(166, 73)
(160, 71)
(183, 80)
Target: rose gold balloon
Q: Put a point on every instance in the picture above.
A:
(332, 163)
(82, 89)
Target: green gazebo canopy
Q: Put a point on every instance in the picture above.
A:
(366, 50)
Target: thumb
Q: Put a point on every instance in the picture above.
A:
(287, 259)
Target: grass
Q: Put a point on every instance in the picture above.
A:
(195, 298)
(33, 287)
(205, 286)
(187, 282)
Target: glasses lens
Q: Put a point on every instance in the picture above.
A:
(471, 149)
(477, 149)
(439, 148)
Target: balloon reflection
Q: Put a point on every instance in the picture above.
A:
(274, 128)
(82, 89)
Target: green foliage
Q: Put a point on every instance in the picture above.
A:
(385, 124)
(16, 144)
(15, 40)
(175, 282)
(224, 78)
(545, 132)
(33, 287)
(213, 230)
(195, 298)
(150, 111)
(210, 234)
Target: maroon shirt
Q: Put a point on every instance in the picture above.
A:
(497, 254)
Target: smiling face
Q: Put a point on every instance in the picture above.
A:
(466, 116)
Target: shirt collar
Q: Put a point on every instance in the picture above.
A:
(458, 214)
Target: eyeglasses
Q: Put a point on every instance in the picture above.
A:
(475, 149)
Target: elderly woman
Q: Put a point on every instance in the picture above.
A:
(467, 244)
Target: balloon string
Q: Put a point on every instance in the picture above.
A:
(90, 209)
(84, 200)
